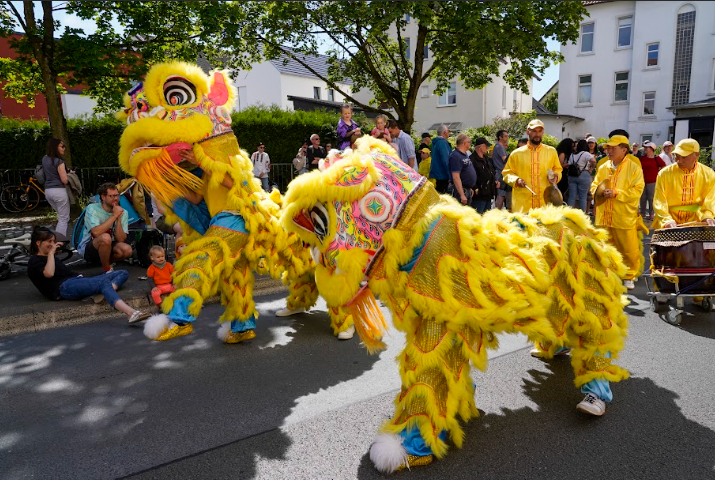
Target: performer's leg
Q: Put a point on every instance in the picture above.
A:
(342, 322)
(436, 387)
(238, 321)
(196, 277)
(302, 294)
(628, 243)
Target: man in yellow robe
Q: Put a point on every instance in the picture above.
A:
(619, 213)
(685, 190)
(527, 169)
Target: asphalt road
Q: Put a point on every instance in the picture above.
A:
(100, 401)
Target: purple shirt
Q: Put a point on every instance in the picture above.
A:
(343, 137)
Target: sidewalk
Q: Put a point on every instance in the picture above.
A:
(24, 309)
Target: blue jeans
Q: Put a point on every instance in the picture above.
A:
(82, 287)
(578, 187)
(264, 183)
(481, 206)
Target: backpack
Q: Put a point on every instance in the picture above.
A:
(574, 170)
(142, 240)
(39, 174)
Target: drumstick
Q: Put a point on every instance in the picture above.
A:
(527, 187)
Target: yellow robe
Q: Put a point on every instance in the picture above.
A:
(619, 215)
(676, 188)
(531, 165)
(627, 184)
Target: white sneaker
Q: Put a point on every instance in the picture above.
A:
(347, 334)
(592, 405)
(629, 284)
(287, 312)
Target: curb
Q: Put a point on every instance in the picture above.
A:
(78, 313)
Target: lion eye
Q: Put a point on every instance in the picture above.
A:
(319, 217)
(179, 91)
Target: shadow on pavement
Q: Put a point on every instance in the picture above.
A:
(643, 435)
(101, 401)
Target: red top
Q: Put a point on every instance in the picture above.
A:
(161, 276)
(651, 167)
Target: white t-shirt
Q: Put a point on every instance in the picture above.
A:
(668, 159)
(261, 163)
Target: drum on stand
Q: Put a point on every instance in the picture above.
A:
(685, 252)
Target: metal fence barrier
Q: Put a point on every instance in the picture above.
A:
(91, 178)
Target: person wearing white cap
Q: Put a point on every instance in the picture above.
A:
(685, 190)
(527, 170)
(666, 155)
(651, 165)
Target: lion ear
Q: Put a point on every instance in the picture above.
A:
(222, 93)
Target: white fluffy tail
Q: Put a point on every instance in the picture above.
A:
(387, 452)
(223, 331)
(156, 325)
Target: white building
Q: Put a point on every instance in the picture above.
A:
(646, 67)
(74, 104)
(458, 107)
(271, 82)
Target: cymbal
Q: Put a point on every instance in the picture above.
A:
(552, 196)
(598, 197)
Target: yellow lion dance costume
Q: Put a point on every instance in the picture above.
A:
(230, 224)
(452, 280)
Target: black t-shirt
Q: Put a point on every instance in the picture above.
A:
(49, 287)
(313, 153)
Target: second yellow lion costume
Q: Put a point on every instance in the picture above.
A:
(453, 280)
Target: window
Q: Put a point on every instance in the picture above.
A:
(646, 137)
(621, 91)
(331, 94)
(449, 97)
(587, 38)
(407, 17)
(653, 50)
(648, 103)
(584, 89)
(503, 97)
(625, 27)
(424, 91)
(425, 54)
(407, 48)
(682, 66)
(515, 103)
(316, 93)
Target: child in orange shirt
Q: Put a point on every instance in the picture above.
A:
(160, 272)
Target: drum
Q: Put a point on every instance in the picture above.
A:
(687, 253)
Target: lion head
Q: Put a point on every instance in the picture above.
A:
(344, 211)
(176, 107)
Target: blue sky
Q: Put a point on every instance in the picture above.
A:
(539, 86)
(550, 76)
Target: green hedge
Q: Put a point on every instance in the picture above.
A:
(95, 141)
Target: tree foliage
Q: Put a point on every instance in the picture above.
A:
(551, 103)
(471, 41)
(106, 61)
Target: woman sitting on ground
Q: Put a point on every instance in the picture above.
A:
(56, 281)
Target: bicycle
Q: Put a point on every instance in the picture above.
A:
(19, 255)
(23, 197)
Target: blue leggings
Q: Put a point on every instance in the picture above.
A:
(78, 288)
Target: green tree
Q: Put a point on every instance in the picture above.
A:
(466, 40)
(551, 103)
(104, 62)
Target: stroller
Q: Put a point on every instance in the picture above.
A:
(141, 236)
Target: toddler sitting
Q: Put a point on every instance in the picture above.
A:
(160, 272)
